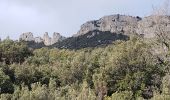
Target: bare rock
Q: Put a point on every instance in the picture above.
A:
(38, 40)
(114, 23)
(152, 25)
(27, 36)
(50, 41)
(56, 38)
(148, 27)
(47, 39)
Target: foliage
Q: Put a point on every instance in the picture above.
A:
(124, 70)
(91, 39)
(6, 85)
(13, 51)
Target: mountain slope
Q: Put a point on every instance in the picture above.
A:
(90, 39)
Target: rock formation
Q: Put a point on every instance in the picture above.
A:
(114, 23)
(27, 36)
(57, 37)
(152, 25)
(50, 41)
(119, 24)
(127, 25)
(46, 39)
(38, 40)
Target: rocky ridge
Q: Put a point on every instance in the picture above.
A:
(47, 40)
(92, 32)
(113, 23)
(127, 25)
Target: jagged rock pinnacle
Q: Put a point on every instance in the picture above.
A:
(47, 40)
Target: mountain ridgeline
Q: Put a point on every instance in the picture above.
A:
(102, 32)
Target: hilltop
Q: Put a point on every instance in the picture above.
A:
(101, 32)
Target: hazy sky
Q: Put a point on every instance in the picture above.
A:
(63, 16)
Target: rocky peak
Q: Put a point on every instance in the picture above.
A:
(47, 40)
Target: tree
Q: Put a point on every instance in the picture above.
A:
(161, 20)
(130, 67)
(6, 85)
(13, 51)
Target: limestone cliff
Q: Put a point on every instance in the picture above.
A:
(114, 23)
(127, 25)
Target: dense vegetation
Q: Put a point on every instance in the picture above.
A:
(91, 39)
(124, 70)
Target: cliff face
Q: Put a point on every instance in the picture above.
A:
(46, 39)
(127, 25)
(152, 25)
(114, 24)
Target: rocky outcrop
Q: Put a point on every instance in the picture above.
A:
(128, 25)
(47, 40)
(152, 25)
(38, 40)
(50, 41)
(114, 23)
(27, 36)
(57, 37)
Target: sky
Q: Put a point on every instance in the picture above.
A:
(63, 16)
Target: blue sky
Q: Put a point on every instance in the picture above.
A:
(63, 16)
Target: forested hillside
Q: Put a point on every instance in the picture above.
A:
(123, 70)
(91, 39)
(47, 55)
